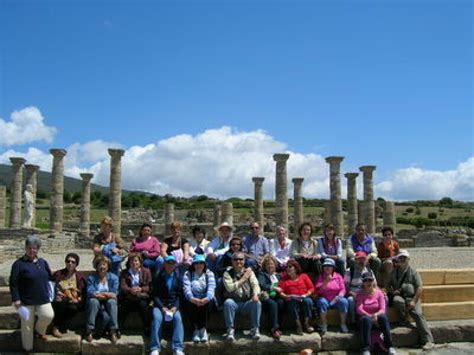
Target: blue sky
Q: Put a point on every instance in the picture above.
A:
(386, 83)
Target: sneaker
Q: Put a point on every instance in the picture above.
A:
(203, 335)
(56, 333)
(428, 345)
(154, 352)
(276, 333)
(344, 328)
(178, 352)
(255, 333)
(366, 352)
(230, 334)
(323, 328)
(392, 351)
(89, 336)
(196, 336)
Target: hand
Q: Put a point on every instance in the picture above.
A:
(396, 292)
(316, 257)
(116, 250)
(255, 298)
(285, 297)
(375, 317)
(204, 301)
(173, 310)
(411, 305)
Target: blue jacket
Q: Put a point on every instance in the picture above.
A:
(29, 281)
(264, 280)
(93, 284)
(164, 297)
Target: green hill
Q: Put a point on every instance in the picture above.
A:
(44, 181)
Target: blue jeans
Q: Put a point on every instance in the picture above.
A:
(156, 327)
(231, 307)
(352, 314)
(294, 306)
(323, 305)
(107, 309)
(274, 307)
(366, 324)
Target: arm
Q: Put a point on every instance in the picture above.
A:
(373, 253)
(339, 248)
(155, 248)
(294, 252)
(14, 278)
(349, 248)
(321, 248)
(91, 287)
(185, 252)
(342, 286)
(381, 302)
(124, 288)
(211, 285)
(254, 284)
(231, 285)
(360, 305)
(188, 293)
(164, 250)
(309, 285)
(146, 281)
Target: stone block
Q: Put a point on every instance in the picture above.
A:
(127, 344)
(339, 341)
(9, 319)
(69, 343)
(5, 297)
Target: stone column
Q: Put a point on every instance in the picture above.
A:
(389, 217)
(352, 213)
(85, 221)
(169, 217)
(32, 179)
(115, 189)
(335, 193)
(16, 195)
(258, 212)
(297, 203)
(227, 213)
(3, 205)
(327, 212)
(361, 209)
(367, 171)
(281, 189)
(217, 215)
(57, 190)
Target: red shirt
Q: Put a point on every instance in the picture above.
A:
(302, 285)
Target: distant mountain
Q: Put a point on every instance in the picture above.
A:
(44, 181)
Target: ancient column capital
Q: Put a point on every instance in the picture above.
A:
(367, 169)
(297, 180)
(351, 176)
(31, 168)
(258, 180)
(116, 153)
(58, 152)
(86, 176)
(281, 157)
(334, 159)
(16, 161)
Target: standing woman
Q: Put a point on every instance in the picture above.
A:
(70, 294)
(330, 246)
(305, 250)
(199, 286)
(176, 245)
(135, 284)
(268, 279)
(370, 305)
(102, 289)
(29, 287)
(296, 289)
(148, 246)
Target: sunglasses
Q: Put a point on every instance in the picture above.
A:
(70, 261)
(236, 244)
(199, 263)
(238, 259)
(253, 227)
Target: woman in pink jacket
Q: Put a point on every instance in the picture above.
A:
(370, 306)
(330, 289)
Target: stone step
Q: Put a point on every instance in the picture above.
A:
(69, 343)
(443, 332)
(5, 298)
(447, 293)
(447, 276)
(449, 310)
(9, 319)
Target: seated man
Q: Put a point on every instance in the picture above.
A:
(406, 288)
(241, 293)
(255, 247)
(361, 241)
(218, 246)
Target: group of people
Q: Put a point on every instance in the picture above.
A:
(166, 280)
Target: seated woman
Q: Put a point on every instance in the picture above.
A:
(296, 289)
(102, 290)
(305, 250)
(199, 243)
(370, 306)
(387, 248)
(110, 245)
(199, 286)
(330, 290)
(29, 288)
(166, 294)
(135, 286)
(70, 294)
(148, 246)
(330, 246)
(280, 247)
(268, 279)
(176, 246)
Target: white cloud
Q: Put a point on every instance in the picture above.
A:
(417, 184)
(26, 126)
(221, 163)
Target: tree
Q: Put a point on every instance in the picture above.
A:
(432, 215)
(446, 202)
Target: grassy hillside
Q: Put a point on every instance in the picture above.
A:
(44, 181)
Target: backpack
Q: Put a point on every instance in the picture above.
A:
(377, 346)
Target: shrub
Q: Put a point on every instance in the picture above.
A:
(432, 215)
(410, 210)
